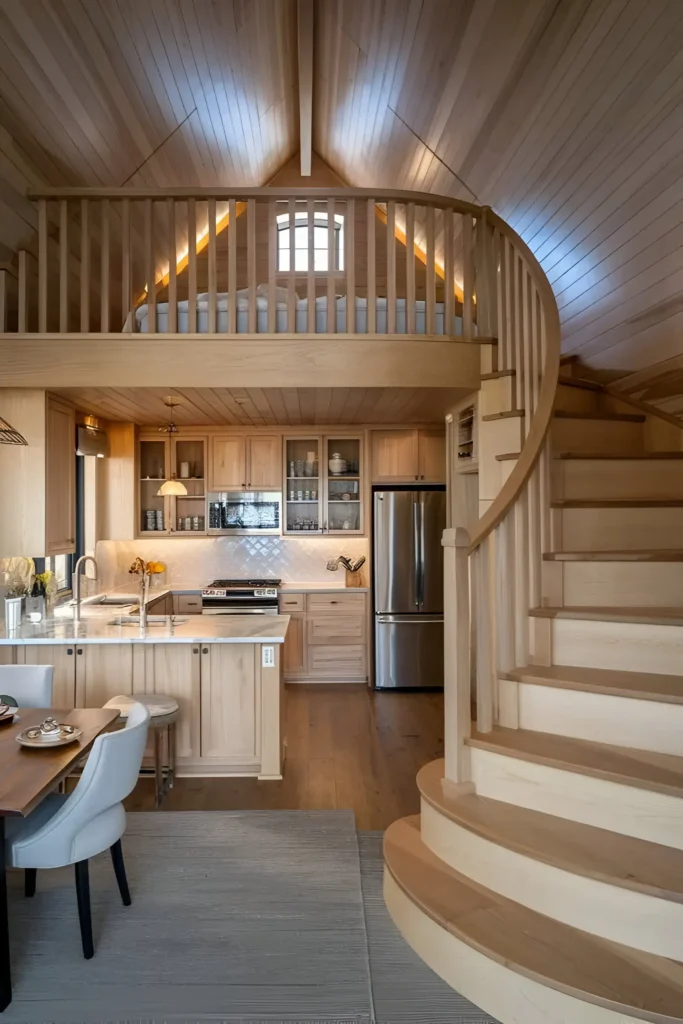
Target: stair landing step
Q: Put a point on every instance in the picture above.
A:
(644, 769)
(651, 616)
(638, 685)
(618, 455)
(570, 845)
(622, 417)
(651, 555)
(606, 973)
(618, 503)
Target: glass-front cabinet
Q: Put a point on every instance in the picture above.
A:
(160, 459)
(188, 461)
(154, 467)
(323, 485)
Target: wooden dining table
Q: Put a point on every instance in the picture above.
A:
(27, 776)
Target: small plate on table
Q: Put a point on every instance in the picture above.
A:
(8, 713)
(48, 735)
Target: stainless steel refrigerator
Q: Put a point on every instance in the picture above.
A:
(408, 587)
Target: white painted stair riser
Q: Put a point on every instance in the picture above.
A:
(509, 997)
(628, 646)
(615, 584)
(602, 479)
(602, 718)
(643, 813)
(613, 912)
(618, 529)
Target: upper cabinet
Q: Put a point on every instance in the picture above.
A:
(245, 462)
(60, 468)
(324, 484)
(159, 459)
(404, 456)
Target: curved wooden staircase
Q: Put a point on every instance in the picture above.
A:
(543, 878)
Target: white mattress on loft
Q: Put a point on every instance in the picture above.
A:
(141, 315)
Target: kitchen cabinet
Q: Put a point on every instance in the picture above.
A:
(323, 494)
(404, 456)
(85, 675)
(60, 466)
(158, 460)
(63, 659)
(230, 696)
(294, 652)
(245, 462)
(174, 670)
(327, 639)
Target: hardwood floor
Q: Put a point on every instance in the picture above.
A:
(348, 747)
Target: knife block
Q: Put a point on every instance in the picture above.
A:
(355, 579)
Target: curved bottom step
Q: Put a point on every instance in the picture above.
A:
(517, 964)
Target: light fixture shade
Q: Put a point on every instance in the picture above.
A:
(8, 435)
(172, 486)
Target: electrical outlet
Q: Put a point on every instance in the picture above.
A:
(267, 656)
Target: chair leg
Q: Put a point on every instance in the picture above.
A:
(84, 916)
(30, 876)
(120, 872)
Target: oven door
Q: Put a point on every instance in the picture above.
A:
(241, 609)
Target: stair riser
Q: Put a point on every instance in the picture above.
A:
(617, 529)
(496, 437)
(570, 399)
(497, 395)
(602, 718)
(613, 912)
(656, 817)
(596, 479)
(625, 646)
(508, 996)
(596, 435)
(613, 584)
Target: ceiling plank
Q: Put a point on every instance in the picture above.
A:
(305, 10)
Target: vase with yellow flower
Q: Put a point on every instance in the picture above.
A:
(145, 571)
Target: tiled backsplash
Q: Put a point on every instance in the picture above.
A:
(199, 561)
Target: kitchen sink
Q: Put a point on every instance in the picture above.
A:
(109, 599)
(152, 620)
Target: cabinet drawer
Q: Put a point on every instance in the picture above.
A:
(343, 602)
(345, 663)
(188, 604)
(292, 603)
(332, 628)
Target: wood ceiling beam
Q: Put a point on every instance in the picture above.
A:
(305, 61)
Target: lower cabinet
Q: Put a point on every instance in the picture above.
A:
(327, 639)
(174, 669)
(85, 676)
(63, 659)
(230, 701)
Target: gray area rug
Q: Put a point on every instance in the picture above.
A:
(251, 917)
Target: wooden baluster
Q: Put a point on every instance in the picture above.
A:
(150, 268)
(391, 267)
(232, 266)
(504, 575)
(211, 217)
(501, 308)
(272, 266)
(350, 265)
(104, 267)
(191, 266)
(291, 280)
(527, 344)
(22, 297)
(482, 271)
(467, 276)
(127, 312)
(310, 273)
(172, 265)
(521, 578)
(457, 699)
(42, 265)
(485, 696)
(64, 266)
(4, 300)
(537, 355)
(372, 287)
(493, 279)
(448, 279)
(410, 268)
(251, 264)
(507, 287)
(518, 327)
(85, 267)
(331, 268)
(535, 547)
(430, 303)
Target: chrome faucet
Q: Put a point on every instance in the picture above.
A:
(76, 582)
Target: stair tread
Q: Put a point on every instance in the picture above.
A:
(579, 382)
(547, 951)
(643, 685)
(649, 555)
(617, 503)
(655, 616)
(507, 456)
(618, 455)
(581, 849)
(509, 415)
(498, 373)
(644, 769)
(626, 417)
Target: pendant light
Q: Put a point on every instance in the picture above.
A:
(8, 435)
(171, 486)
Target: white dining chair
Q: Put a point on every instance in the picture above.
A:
(71, 829)
(30, 685)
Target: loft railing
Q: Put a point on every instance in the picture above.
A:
(493, 578)
(354, 261)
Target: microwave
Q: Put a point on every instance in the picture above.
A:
(244, 512)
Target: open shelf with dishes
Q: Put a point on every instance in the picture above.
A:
(323, 484)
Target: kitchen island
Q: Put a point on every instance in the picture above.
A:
(224, 671)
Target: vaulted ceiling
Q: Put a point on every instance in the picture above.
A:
(566, 116)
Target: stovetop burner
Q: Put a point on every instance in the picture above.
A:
(246, 583)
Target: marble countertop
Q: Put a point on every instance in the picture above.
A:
(171, 629)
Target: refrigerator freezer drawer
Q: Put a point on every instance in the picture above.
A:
(408, 651)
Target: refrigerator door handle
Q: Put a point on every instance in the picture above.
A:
(421, 556)
(408, 620)
(416, 552)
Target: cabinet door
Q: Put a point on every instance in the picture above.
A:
(230, 697)
(63, 659)
(265, 464)
(394, 456)
(103, 671)
(228, 463)
(432, 456)
(60, 503)
(188, 604)
(294, 653)
(345, 663)
(173, 669)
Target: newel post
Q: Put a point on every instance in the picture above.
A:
(457, 699)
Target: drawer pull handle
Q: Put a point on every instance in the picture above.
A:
(195, 650)
(70, 650)
(205, 650)
(334, 602)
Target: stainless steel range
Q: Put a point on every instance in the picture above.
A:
(241, 597)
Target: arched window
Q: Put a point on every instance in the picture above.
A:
(320, 248)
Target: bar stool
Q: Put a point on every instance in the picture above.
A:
(164, 712)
